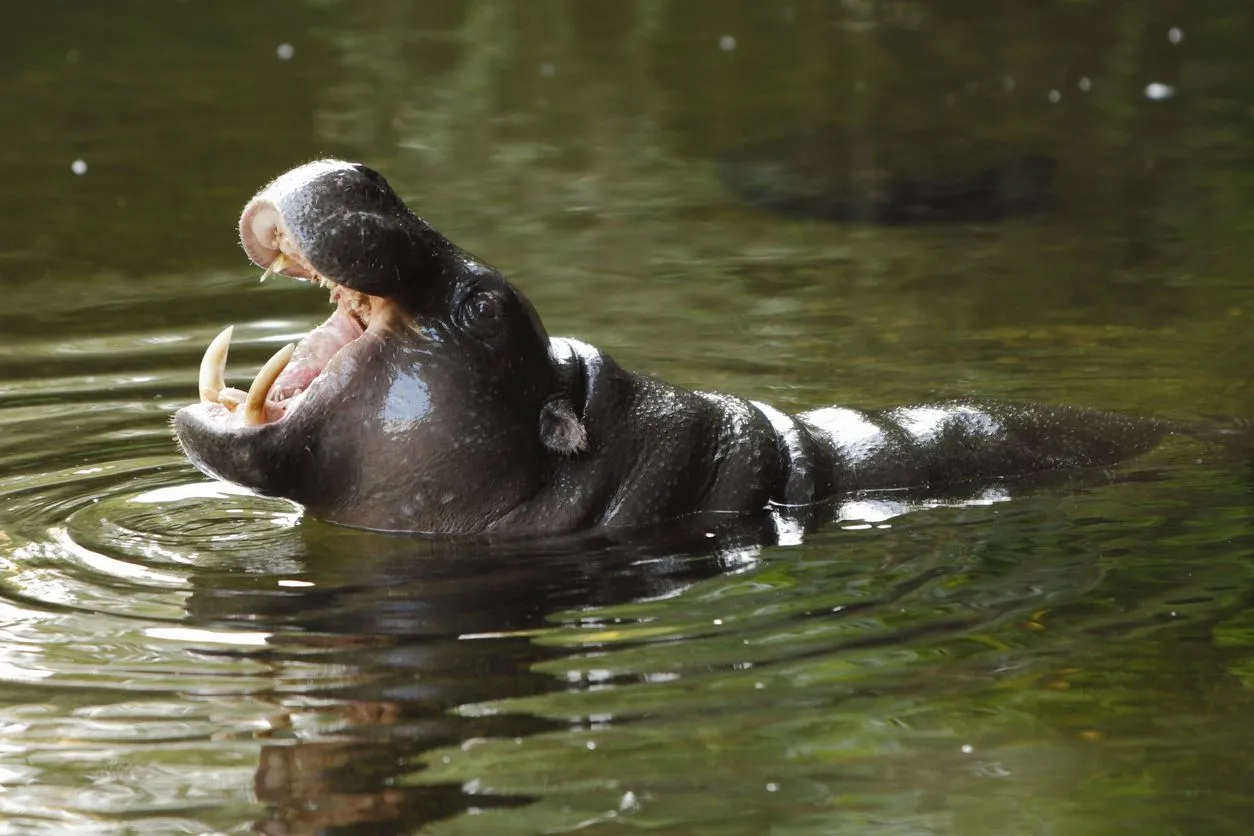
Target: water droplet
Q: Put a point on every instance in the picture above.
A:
(718, 621)
(72, 56)
(1175, 34)
(1055, 96)
(727, 43)
(1156, 91)
(591, 744)
(1008, 82)
(967, 748)
(772, 787)
(548, 69)
(1085, 84)
(78, 167)
(285, 52)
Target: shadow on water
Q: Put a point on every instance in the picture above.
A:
(819, 176)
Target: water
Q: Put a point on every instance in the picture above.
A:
(178, 657)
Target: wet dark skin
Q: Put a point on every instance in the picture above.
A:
(434, 401)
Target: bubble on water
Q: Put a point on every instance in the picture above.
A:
(967, 748)
(285, 52)
(1008, 82)
(772, 787)
(1055, 96)
(548, 69)
(78, 167)
(72, 56)
(1085, 84)
(1158, 91)
(1175, 34)
(727, 43)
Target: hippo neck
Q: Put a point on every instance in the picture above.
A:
(654, 450)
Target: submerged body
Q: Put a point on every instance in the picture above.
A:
(433, 400)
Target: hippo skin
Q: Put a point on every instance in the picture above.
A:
(432, 400)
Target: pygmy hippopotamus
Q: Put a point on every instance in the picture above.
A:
(432, 400)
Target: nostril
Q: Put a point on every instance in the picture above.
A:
(259, 232)
(265, 226)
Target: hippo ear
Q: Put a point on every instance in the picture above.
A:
(560, 428)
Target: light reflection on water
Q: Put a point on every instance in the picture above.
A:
(181, 656)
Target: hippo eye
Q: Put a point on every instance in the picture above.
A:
(481, 308)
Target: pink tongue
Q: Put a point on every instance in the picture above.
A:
(314, 352)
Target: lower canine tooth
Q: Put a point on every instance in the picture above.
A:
(255, 405)
(213, 367)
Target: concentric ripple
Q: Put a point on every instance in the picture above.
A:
(104, 531)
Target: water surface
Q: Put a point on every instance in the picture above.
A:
(177, 656)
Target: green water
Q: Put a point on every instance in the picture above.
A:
(177, 657)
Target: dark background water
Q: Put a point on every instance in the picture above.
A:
(179, 657)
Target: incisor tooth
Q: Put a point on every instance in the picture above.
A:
(276, 266)
(255, 405)
(213, 366)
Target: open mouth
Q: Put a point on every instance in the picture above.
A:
(285, 229)
(286, 377)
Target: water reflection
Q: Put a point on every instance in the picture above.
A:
(413, 629)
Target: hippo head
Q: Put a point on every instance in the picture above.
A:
(428, 401)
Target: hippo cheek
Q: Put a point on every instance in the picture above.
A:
(435, 448)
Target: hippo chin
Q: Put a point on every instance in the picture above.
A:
(433, 400)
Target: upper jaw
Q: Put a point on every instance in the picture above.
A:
(342, 221)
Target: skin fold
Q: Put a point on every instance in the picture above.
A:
(454, 412)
